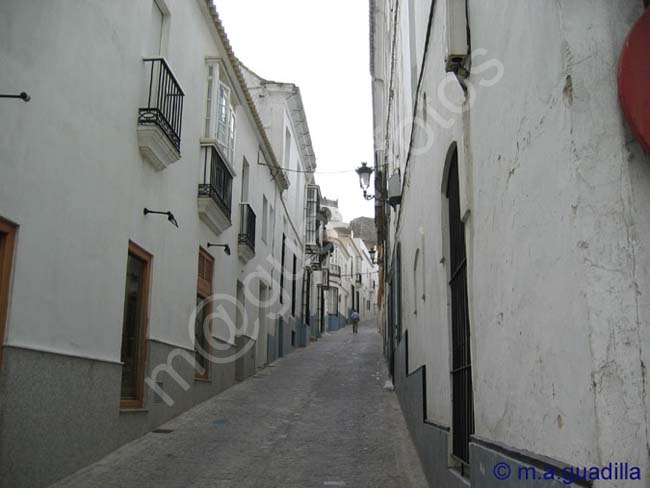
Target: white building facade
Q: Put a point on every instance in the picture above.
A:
(151, 243)
(512, 231)
(353, 274)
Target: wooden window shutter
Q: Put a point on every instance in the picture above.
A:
(206, 269)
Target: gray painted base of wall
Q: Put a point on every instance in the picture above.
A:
(282, 343)
(335, 322)
(60, 413)
(485, 459)
(302, 335)
(245, 365)
(314, 329)
(433, 442)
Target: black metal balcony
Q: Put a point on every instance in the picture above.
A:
(164, 101)
(313, 227)
(247, 226)
(217, 180)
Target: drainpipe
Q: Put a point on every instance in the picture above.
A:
(464, 72)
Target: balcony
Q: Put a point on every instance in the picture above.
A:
(159, 122)
(246, 240)
(335, 270)
(313, 223)
(325, 251)
(215, 191)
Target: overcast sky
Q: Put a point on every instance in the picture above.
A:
(323, 48)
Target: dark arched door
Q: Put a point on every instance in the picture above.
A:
(461, 373)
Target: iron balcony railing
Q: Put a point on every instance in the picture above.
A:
(335, 269)
(325, 251)
(164, 101)
(247, 226)
(217, 179)
(313, 223)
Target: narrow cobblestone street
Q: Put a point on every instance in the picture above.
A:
(317, 418)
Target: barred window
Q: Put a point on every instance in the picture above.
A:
(313, 202)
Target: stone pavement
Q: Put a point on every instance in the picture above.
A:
(317, 418)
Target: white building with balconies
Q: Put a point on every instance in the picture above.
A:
(146, 221)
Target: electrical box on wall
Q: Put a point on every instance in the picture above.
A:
(457, 43)
(394, 189)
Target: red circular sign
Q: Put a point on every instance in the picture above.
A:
(634, 80)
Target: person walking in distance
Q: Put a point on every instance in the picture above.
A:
(354, 316)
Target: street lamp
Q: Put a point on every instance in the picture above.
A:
(393, 194)
(364, 173)
(372, 253)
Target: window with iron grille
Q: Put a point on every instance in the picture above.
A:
(311, 226)
(306, 296)
(294, 279)
(462, 398)
(389, 343)
(398, 295)
(217, 179)
(284, 243)
(320, 313)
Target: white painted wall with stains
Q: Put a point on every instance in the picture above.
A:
(556, 195)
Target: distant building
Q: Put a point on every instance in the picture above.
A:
(353, 275)
(364, 227)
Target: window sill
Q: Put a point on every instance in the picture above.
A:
(462, 474)
(133, 410)
(198, 379)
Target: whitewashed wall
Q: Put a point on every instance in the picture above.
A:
(555, 194)
(569, 192)
(72, 177)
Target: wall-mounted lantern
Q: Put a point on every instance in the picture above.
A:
(22, 95)
(226, 247)
(170, 216)
(394, 186)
